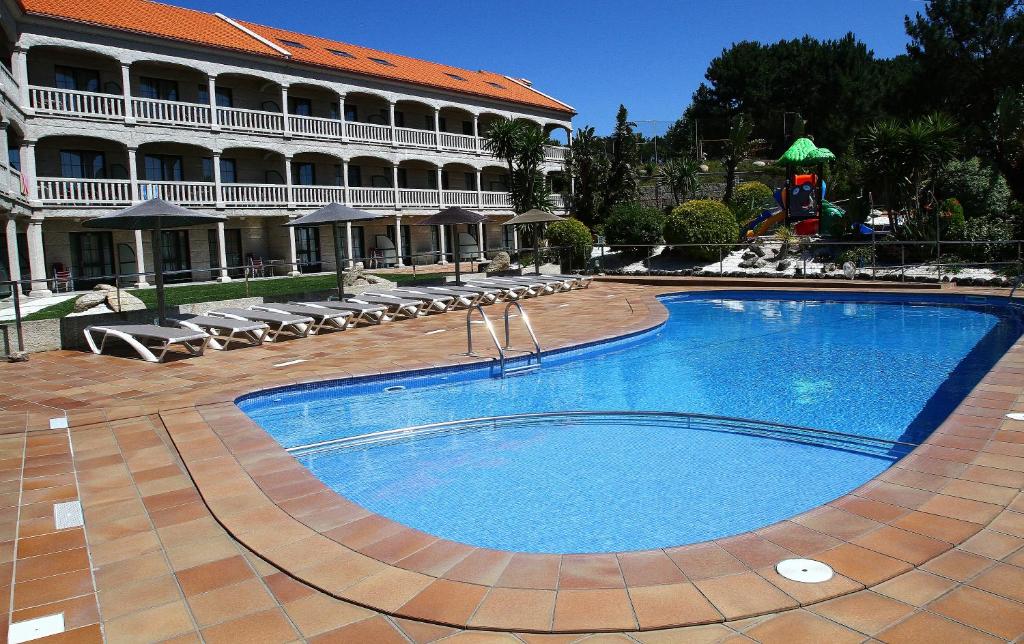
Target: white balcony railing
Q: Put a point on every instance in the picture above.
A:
(245, 195)
(368, 132)
(240, 120)
(414, 137)
(557, 201)
(458, 142)
(317, 195)
(418, 197)
(372, 197)
(462, 198)
(185, 193)
(555, 152)
(9, 85)
(149, 110)
(50, 100)
(84, 192)
(315, 127)
(496, 200)
(12, 183)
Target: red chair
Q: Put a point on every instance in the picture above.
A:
(62, 279)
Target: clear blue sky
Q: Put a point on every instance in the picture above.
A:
(648, 54)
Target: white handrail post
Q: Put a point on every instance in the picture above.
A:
(133, 173)
(440, 188)
(286, 126)
(126, 93)
(437, 127)
(391, 121)
(211, 84)
(479, 191)
(222, 253)
(341, 116)
(394, 185)
(289, 189)
(398, 240)
(219, 201)
(348, 243)
(476, 133)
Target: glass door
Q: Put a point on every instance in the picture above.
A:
(177, 260)
(406, 249)
(92, 258)
(307, 249)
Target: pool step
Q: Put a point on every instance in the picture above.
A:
(521, 371)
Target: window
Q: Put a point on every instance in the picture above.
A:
(338, 176)
(92, 256)
(496, 85)
(381, 61)
(162, 167)
(403, 178)
(292, 43)
(351, 113)
(232, 249)
(227, 170)
(355, 176)
(158, 88)
(14, 158)
(76, 78)
(300, 106)
(467, 128)
(82, 164)
(224, 96)
(340, 53)
(303, 174)
(380, 181)
(177, 257)
(307, 248)
(399, 119)
(332, 112)
(442, 123)
(358, 242)
(455, 76)
(445, 182)
(470, 180)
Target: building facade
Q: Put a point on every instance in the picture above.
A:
(105, 104)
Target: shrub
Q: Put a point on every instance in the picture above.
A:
(859, 256)
(634, 225)
(574, 237)
(750, 199)
(701, 221)
(987, 229)
(982, 190)
(953, 213)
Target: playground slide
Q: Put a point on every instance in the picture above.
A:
(764, 222)
(807, 227)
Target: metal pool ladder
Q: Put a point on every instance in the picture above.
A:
(503, 351)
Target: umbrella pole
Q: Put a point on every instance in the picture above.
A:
(158, 273)
(458, 247)
(536, 246)
(337, 263)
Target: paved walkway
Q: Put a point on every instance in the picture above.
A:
(196, 527)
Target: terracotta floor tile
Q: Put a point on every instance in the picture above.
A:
(389, 589)
(422, 632)
(52, 564)
(479, 567)
(90, 634)
(448, 602)
(593, 610)
(51, 589)
(318, 613)
(376, 630)
(836, 523)
(958, 564)
(134, 596)
(52, 542)
(230, 602)
(703, 561)
(798, 627)
(963, 509)
(928, 628)
(810, 593)
(287, 589)
(153, 624)
(744, 595)
(671, 605)
(539, 572)
(515, 608)
(1002, 579)
(990, 543)
(78, 611)
(125, 548)
(754, 551)
(800, 539)
(708, 634)
(915, 587)
(649, 568)
(437, 558)
(268, 627)
(932, 525)
(590, 571)
(866, 612)
(983, 611)
(901, 544)
(206, 577)
(866, 566)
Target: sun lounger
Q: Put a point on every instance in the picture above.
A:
(287, 323)
(369, 313)
(396, 306)
(508, 291)
(322, 318)
(544, 283)
(576, 280)
(224, 331)
(138, 336)
(485, 295)
(532, 288)
(431, 303)
(458, 298)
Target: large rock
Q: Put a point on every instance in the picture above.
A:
(90, 300)
(783, 265)
(125, 302)
(500, 262)
(758, 249)
(748, 255)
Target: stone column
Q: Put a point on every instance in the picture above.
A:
(19, 67)
(211, 84)
(28, 168)
(348, 243)
(572, 180)
(391, 121)
(37, 260)
(126, 92)
(515, 238)
(218, 188)
(440, 188)
(223, 252)
(341, 115)
(481, 243)
(13, 260)
(284, 111)
(398, 240)
(476, 132)
(442, 243)
(344, 182)
(133, 174)
(437, 127)
(140, 260)
(479, 189)
(288, 181)
(293, 271)
(394, 183)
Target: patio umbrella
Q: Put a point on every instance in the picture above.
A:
(154, 215)
(334, 214)
(453, 217)
(539, 218)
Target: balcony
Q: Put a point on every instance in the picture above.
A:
(111, 107)
(88, 193)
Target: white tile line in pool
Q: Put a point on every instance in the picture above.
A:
(435, 331)
(33, 629)
(289, 363)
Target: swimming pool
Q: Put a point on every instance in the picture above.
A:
(876, 365)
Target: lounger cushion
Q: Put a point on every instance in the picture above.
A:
(265, 316)
(213, 322)
(152, 332)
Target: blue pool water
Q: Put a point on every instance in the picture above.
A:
(873, 365)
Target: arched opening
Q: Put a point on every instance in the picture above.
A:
(252, 166)
(248, 92)
(161, 81)
(306, 99)
(456, 121)
(414, 115)
(15, 139)
(556, 182)
(369, 172)
(79, 70)
(81, 157)
(317, 179)
(486, 120)
(557, 134)
(7, 40)
(414, 174)
(177, 172)
(494, 179)
(362, 107)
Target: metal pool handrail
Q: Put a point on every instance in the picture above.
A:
(441, 427)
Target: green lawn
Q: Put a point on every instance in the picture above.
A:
(213, 291)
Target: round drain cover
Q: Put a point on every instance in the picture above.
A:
(807, 571)
(1015, 416)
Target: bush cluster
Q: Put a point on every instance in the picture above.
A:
(574, 237)
(749, 200)
(701, 221)
(634, 225)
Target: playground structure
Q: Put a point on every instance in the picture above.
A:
(801, 201)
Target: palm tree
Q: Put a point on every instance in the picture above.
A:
(521, 145)
(502, 140)
(587, 164)
(738, 147)
(682, 177)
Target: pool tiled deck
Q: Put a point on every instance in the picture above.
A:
(199, 527)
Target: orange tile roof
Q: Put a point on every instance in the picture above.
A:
(188, 25)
